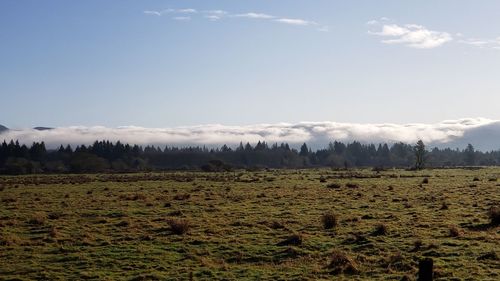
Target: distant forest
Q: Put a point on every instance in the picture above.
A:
(105, 156)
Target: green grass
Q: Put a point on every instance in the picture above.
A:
(118, 227)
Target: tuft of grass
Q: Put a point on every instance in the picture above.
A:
(417, 245)
(340, 263)
(9, 200)
(352, 185)
(276, 225)
(179, 226)
(184, 196)
(9, 239)
(491, 255)
(53, 232)
(454, 231)
(444, 206)
(494, 215)
(329, 220)
(295, 240)
(380, 229)
(38, 218)
(333, 185)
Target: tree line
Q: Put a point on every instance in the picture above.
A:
(106, 156)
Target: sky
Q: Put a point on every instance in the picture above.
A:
(163, 64)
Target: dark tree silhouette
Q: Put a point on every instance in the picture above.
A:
(419, 150)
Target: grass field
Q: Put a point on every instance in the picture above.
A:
(267, 225)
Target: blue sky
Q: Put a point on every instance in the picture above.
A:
(158, 64)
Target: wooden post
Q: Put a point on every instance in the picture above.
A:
(425, 270)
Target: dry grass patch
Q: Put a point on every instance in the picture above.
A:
(329, 220)
(179, 226)
(341, 263)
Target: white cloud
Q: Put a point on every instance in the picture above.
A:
(295, 21)
(216, 15)
(171, 11)
(213, 17)
(317, 134)
(216, 12)
(152, 13)
(413, 35)
(187, 11)
(483, 43)
(377, 21)
(252, 15)
(182, 18)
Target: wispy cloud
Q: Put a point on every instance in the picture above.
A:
(295, 21)
(213, 17)
(412, 35)
(152, 13)
(483, 43)
(186, 11)
(216, 15)
(181, 18)
(318, 134)
(216, 12)
(170, 11)
(252, 15)
(377, 21)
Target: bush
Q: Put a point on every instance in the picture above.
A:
(329, 220)
(178, 226)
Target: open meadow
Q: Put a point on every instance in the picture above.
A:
(315, 224)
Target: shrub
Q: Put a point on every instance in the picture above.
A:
(329, 220)
(494, 215)
(342, 263)
(178, 226)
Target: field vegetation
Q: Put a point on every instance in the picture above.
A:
(251, 225)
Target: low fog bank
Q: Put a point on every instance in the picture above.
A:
(483, 133)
